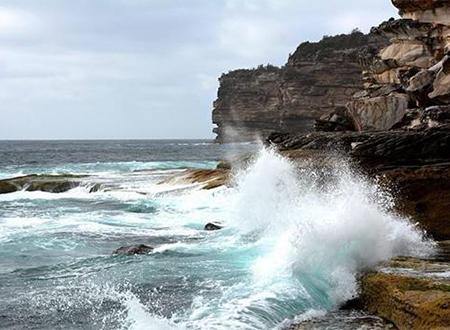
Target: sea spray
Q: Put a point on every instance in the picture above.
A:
(295, 237)
(320, 234)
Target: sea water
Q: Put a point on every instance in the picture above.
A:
(293, 242)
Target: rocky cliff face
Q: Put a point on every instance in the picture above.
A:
(318, 78)
(410, 76)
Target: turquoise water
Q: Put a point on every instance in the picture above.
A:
(290, 249)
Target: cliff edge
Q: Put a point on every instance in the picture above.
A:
(318, 77)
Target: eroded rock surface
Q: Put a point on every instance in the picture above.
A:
(318, 78)
(412, 293)
(412, 73)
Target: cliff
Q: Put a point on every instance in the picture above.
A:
(408, 81)
(401, 136)
(318, 78)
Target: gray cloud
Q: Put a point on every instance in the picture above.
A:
(145, 68)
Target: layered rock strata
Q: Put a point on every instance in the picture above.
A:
(410, 75)
(415, 165)
(318, 78)
(412, 293)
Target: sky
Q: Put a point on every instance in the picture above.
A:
(142, 69)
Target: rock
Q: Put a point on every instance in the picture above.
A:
(409, 302)
(412, 293)
(343, 319)
(208, 179)
(337, 120)
(318, 78)
(423, 194)
(378, 113)
(418, 119)
(432, 11)
(7, 187)
(212, 226)
(415, 164)
(416, 5)
(133, 249)
(441, 85)
(95, 188)
(35, 182)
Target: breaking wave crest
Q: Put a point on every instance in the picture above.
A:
(302, 234)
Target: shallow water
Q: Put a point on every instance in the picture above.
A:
(291, 246)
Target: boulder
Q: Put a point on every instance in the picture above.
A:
(133, 249)
(337, 120)
(212, 226)
(41, 182)
(378, 113)
(420, 119)
(7, 187)
(441, 85)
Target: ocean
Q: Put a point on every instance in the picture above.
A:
(290, 249)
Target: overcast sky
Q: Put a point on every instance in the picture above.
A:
(146, 68)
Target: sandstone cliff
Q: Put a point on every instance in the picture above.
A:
(408, 82)
(318, 78)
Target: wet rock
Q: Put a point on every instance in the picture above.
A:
(410, 302)
(375, 150)
(212, 226)
(344, 320)
(423, 194)
(208, 179)
(133, 249)
(7, 187)
(96, 187)
(414, 164)
(47, 183)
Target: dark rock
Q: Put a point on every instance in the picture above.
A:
(133, 249)
(7, 187)
(212, 226)
(96, 187)
(415, 164)
(418, 5)
(337, 120)
(47, 183)
(354, 303)
(376, 150)
(420, 119)
(423, 194)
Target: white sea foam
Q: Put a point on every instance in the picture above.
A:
(307, 240)
(292, 244)
(307, 228)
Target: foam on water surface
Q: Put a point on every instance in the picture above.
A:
(292, 245)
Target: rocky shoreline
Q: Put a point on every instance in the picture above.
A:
(382, 102)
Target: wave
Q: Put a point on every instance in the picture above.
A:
(101, 168)
(295, 238)
(302, 240)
